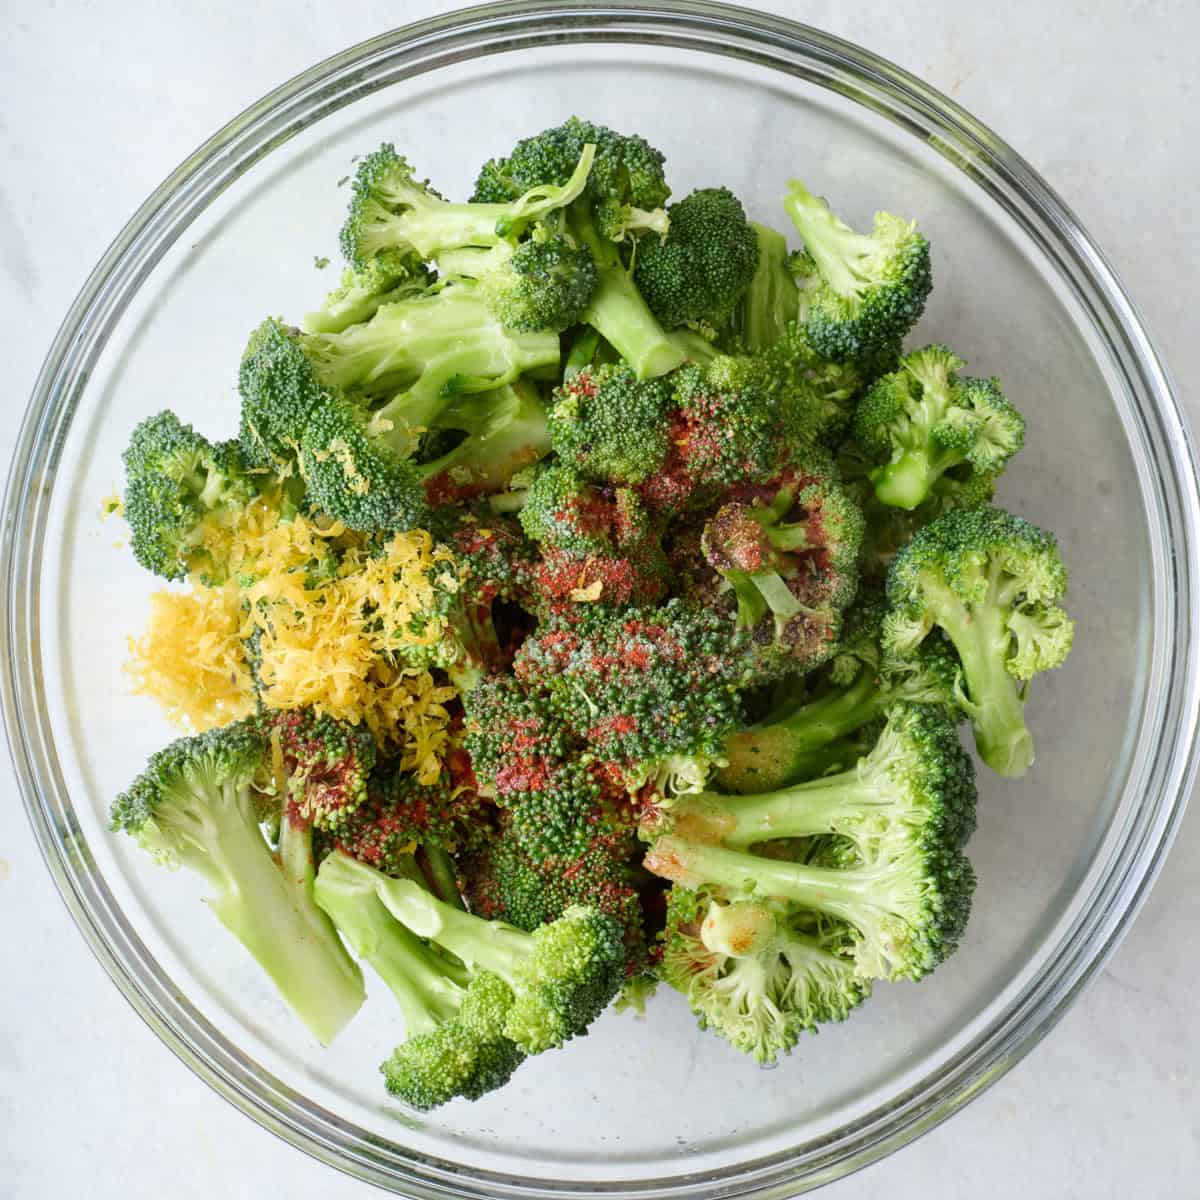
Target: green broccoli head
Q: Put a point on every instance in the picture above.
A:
(922, 420)
(609, 425)
(859, 293)
(280, 390)
(467, 1055)
(625, 184)
(561, 976)
(757, 973)
(990, 581)
(180, 491)
(697, 273)
(391, 211)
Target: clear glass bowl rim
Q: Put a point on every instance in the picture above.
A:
(1165, 764)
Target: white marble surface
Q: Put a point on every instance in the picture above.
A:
(99, 100)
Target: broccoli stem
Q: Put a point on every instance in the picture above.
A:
(617, 311)
(852, 894)
(442, 875)
(424, 984)
(484, 945)
(909, 480)
(994, 699)
(799, 745)
(803, 810)
(269, 907)
(772, 299)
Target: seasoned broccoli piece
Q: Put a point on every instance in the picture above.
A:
(757, 973)
(655, 689)
(181, 490)
(859, 293)
(199, 803)
(326, 764)
(388, 277)
(696, 274)
(621, 201)
(990, 581)
(501, 879)
(787, 553)
(900, 882)
(596, 546)
(922, 420)
(809, 735)
(609, 425)
(391, 211)
(544, 283)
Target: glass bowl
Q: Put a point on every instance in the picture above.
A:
(1064, 857)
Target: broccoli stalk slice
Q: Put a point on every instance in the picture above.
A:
(211, 825)
(993, 699)
(616, 309)
(427, 987)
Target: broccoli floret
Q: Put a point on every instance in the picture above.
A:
(990, 581)
(609, 425)
(696, 274)
(901, 884)
(860, 293)
(804, 739)
(199, 803)
(326, 763)
(357, 460)
(772, 301)
(180, 491)
(787, 553)
(388, 277)
(543, 283)
(655, 690)
(502, 880)
(467, 1056)
(757, 973)
(391, 211)
(922, 420)
(418, 354)
(621, 201)
(596, 546)
(399, 813)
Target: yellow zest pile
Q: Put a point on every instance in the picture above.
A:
(191, 659)
(328, 617)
